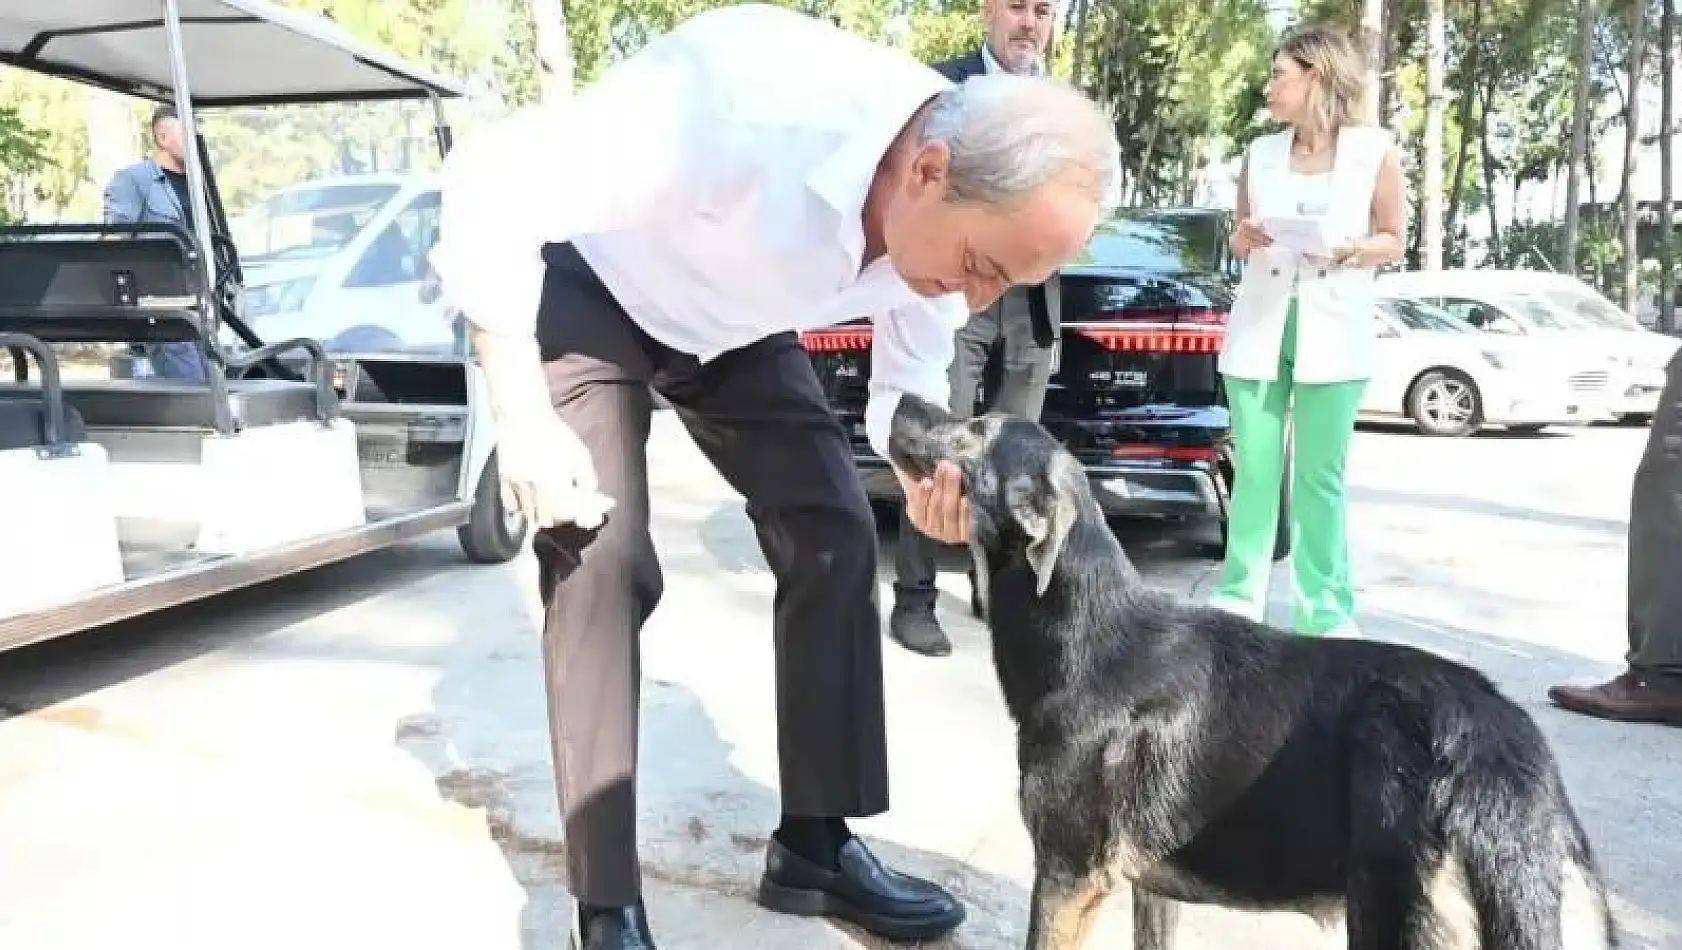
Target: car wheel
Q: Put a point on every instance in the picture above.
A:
(1445, 403)
(493, 533)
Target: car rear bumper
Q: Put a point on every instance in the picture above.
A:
(1123, 489)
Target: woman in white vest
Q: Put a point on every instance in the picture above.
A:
(1299, 340)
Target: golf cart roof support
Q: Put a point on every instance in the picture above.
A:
(441, 124)
(196, 195)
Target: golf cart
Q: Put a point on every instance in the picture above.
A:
(127, 495)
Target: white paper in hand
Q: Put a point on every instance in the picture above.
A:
(1301, 235)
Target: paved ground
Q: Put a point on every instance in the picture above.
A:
(356, 758)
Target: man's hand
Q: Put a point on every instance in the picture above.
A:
(937, 506)
(547, 473)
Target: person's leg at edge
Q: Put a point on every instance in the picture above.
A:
(1258, 410)
(912, 622)
(598, 588)
(1650, 688)
(1323, 590)
(761, 417)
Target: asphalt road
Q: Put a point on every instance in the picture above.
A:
(356, 757)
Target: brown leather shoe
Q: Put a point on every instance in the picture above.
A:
(1633, 696)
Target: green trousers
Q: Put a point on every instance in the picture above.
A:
(1323, 421)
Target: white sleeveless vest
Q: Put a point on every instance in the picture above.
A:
(1334, 320)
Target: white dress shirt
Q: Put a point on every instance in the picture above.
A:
(715, 182)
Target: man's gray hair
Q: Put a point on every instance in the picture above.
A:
(1009, 135)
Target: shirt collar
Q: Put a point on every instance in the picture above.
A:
(843, 178)
(1037, 68)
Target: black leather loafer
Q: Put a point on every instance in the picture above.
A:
(863, 892)
(618, 928)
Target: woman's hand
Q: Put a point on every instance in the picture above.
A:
(1248, 236)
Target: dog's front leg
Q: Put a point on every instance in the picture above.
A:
(1154, 917)
(1062, 909)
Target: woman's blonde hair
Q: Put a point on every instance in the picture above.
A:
(1338, 93)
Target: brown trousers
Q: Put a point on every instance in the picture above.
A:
(760, 416)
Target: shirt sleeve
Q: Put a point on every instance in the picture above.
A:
(122, 199)
(911, 352)
(595, 161)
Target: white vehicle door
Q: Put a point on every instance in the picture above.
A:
(382, 303)
(1391, 368)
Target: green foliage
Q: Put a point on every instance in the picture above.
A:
(23, 150)
(23, 153)
(1183, 81)
(52, 176)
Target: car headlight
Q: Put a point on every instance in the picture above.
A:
(1493, 359)
(283, 296)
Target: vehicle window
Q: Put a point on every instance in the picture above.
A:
(398, 255)
(1543, 316)
(1590, 307)
(1474, 312)
(1416, 315)
(1169, 243)
(307, 223)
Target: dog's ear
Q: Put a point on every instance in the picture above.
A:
(1046, 514)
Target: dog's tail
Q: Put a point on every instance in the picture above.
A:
(1530, 873)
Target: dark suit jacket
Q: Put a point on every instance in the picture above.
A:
(1045, 301)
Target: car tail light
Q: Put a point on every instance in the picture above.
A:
(1172, 453)
(837, 340)
(1198, 330)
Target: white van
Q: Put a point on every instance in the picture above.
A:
(343, 260)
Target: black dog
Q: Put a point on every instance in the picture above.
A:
(1204, 758)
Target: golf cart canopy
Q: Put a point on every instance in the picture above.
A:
(238, 53)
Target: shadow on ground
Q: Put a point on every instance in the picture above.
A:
(703, 824)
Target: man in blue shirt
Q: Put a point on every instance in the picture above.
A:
(155, 189)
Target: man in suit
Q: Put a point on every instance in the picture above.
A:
(1023, 322)
(155, 189)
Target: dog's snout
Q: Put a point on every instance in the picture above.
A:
(917, 415)
(913, 434)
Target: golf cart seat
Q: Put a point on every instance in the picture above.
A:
(23, 422)
(62, 535)
(150, 403)
(87, 283)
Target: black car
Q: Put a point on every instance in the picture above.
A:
(1135, 395)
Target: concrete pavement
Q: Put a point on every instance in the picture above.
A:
(357, 757)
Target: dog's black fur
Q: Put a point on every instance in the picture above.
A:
(1205, 758)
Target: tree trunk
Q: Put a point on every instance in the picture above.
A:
(1667, 118)
(1579, 135)
(1496, 257)
(1431, 224)
(1372, 44)
(1632, 142)
(1387, 73)
(1079, 56)
(1468, 85)
(554, 49)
